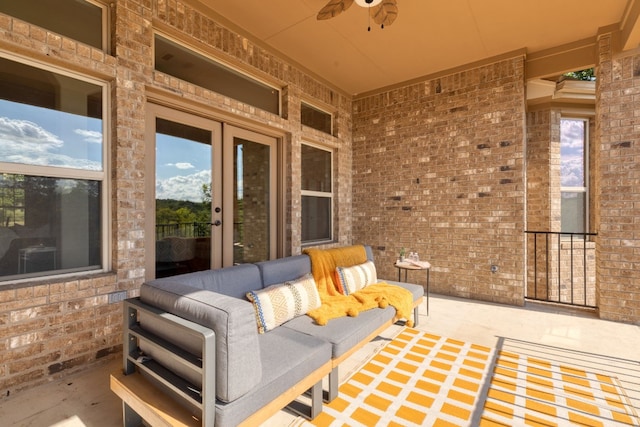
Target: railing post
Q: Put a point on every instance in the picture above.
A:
(546, 257)
(559, 269)
(535, 265)
(584, 268)
(571, 260)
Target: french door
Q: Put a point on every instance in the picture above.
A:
(250, 170)
(210, 192)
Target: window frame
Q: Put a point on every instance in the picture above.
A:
(106, 24)
(585, 164)
(105, 20)
(221, 64)
(320, 194)
(319, 109)
(57, 172)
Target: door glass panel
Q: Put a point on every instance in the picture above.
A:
(183, 198)
(251, 201)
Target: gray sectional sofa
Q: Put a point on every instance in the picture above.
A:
(194, 336)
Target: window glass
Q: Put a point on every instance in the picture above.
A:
(180, 62)
(316, 118)
(48, 224)
(316, 218)
(317, 194)
(51, 172)
(316, 169)
(49, 119)
(76, 19)
(251, 205)
(573, 209)
(573, 141)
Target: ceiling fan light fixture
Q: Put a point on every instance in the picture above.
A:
(368, 3)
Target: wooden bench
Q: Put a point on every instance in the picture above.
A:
(142, 400)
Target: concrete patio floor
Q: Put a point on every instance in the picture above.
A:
(571, 336)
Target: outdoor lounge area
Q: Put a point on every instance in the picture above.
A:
(562, 336)
(179, 142)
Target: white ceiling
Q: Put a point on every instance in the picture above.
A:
(428, 36)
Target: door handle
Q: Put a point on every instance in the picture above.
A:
(217, 223)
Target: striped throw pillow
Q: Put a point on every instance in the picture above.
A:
(357, 277)
(279, 303)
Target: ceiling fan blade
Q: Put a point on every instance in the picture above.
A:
(334, 8)
(385, 13)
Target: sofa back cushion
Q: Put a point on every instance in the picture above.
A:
(369, 252)
(234, 281)
(237, 356)
(284, 269)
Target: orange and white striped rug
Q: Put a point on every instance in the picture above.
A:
(419, 379)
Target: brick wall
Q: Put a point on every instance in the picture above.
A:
(618, 183)
(543, 196)
(438, 169)
(51, 328)
(543, 169)
(56, 328)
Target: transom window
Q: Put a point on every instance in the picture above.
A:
(82, 20)
(316, 118)
(178, 61)
(317, 194)
(52, 172)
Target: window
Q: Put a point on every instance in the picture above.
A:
(316, 118)
(81, 20)
(573, 181)
(180, 62)
(52, 175)
(317, 194)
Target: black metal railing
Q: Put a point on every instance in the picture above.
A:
(561, 268)
(183, 229)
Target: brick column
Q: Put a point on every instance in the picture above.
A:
(618, 189)
(132, 42)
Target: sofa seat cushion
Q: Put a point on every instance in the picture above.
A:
(238, 357)
(288, 357)
(343, 333)
(416, 290)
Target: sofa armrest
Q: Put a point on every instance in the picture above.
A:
(199, 397)
(238, 358)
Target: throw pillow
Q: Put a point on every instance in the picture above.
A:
(356, 277)
(279, 303)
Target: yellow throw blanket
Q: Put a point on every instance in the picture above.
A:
(335, 304)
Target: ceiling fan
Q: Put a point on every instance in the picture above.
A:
(383, 12)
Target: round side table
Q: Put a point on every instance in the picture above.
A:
(408, 265)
